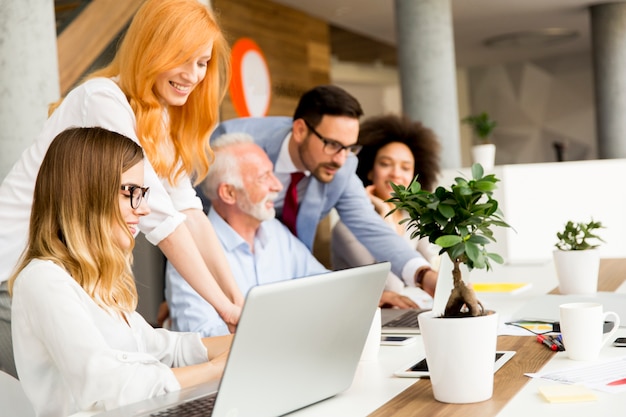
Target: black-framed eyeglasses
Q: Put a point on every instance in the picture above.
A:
(136, 193)
(332, 147)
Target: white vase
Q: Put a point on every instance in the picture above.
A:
(485, 155)
(577, 271)
(460, 353)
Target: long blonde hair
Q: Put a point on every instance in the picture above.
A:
(165, 34)
(75, 208)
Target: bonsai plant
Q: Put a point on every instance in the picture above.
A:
(482, 126)
(576, 261)
(459, 220)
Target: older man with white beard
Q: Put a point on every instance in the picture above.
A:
(241, 187)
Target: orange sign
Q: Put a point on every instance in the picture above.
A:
(250, 85)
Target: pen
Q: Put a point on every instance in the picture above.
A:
(542, 339)
(558, 343)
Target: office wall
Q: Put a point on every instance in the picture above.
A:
(296, 47)
(536, 104)
(538, 199)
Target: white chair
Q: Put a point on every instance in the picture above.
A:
(13, 401)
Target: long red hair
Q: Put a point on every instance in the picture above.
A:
(165, 34)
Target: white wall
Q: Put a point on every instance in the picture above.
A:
(538, 199)
(536, 104)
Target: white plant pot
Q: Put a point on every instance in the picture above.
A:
(460, 353)
(484, 155)
(577, 271)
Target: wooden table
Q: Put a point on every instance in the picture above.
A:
(418, 400)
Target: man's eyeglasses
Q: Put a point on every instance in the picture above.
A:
(332, 147)
(136, 193)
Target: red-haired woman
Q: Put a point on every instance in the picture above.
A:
(163, 90)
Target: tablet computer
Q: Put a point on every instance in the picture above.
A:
(419, 368)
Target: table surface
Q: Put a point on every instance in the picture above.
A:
(376, 392)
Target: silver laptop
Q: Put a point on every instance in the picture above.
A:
(404, 321)
(298, 342)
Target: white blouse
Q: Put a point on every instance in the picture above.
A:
(97, 102)
(72, 355)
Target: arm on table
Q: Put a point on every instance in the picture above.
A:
(217, 351)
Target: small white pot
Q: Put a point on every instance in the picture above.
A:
(460, 353)
(485, 155)
(577, 271)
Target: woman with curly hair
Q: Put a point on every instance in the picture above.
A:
(395, 150)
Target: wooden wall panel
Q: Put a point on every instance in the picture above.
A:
(296, 47)
(80, 44)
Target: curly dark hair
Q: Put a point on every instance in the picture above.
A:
(378, 131)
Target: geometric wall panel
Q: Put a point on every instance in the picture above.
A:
(537, 104)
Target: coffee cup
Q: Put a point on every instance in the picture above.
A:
(582, 326)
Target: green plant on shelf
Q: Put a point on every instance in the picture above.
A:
(482, 126)
(579, 236)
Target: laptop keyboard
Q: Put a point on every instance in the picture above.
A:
(408, 319)
(200, 407)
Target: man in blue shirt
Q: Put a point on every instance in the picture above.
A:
(260, 249)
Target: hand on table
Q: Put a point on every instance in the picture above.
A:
(394, 299)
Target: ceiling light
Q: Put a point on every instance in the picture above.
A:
(532, 38)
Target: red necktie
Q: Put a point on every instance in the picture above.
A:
(290, 207)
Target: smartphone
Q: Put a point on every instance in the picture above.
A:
(419, 369)
(397, 340)
(620, 342)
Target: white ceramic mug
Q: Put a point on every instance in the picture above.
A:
(372, 344)
(582, 326)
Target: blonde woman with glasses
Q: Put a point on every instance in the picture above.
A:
(79, 343)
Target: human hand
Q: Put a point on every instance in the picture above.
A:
(379, 204)
(394, 299)
(429, 282)
(231, 317)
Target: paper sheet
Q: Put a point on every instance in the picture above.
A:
(607, 376)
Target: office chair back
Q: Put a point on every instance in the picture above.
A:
(13, 401)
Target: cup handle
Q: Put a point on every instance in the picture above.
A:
(616, 324)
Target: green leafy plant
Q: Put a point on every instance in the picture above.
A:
(460, 220)
(574, 236)
(482, 126)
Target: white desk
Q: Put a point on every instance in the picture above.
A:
(374, 384)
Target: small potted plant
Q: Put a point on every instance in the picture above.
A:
(576, 259)
(460, 219)
(483, 152)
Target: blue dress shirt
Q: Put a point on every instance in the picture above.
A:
(278, 256)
